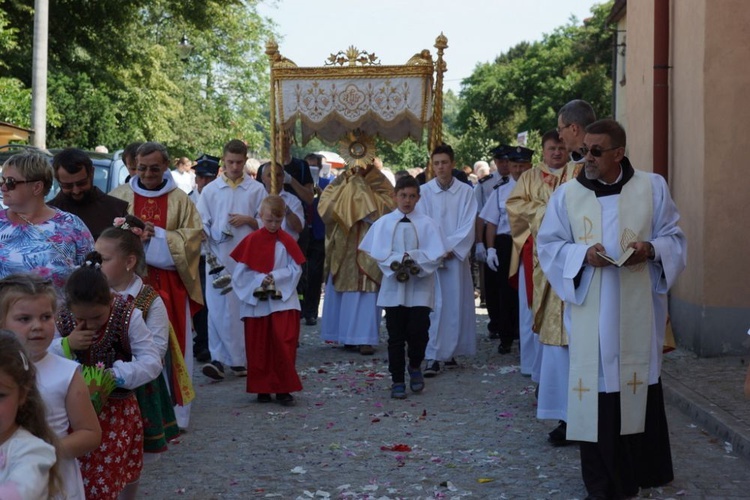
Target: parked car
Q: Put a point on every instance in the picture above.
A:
(109, 170)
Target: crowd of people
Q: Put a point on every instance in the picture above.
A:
(108, 300)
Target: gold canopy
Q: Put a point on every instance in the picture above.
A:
(354, 92)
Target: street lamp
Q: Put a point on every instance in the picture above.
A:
(184, 48)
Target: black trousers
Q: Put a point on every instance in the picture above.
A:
(407, 327)
(316, 255)
(200, 319)
(501, 298)
(616, 466)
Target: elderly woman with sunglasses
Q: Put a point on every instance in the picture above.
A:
(33, 236)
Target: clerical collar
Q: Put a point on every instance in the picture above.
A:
(447, 187)
(157, 188)
(601, 189)
(619, 178)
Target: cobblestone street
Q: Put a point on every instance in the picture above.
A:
(472, 433)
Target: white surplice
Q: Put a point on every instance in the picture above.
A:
(453, 320)
(226, 340)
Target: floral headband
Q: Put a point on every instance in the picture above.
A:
(121, 223)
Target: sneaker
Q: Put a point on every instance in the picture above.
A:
(432, 368)
(398, 391)
(366, 350)
(285, 399)
(264, 398)
(451, 364)
(239, 371)
(416, 379)
(213, 370)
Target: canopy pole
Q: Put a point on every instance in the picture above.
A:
(436, 130)
(272, 51)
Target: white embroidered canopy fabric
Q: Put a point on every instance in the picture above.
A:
(392, 107)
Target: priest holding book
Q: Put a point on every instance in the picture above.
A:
(615, 316)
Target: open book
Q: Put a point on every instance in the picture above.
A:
(617, 262)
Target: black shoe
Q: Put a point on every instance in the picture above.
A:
(311, 321)
(504, 347)
(203, 356)
(451, 364)
(432, 368)
(558, 436)
(493, 335)
(264, 398)
(239, 371)
(213, 370)
(285, 399)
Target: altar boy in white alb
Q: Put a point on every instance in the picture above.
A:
(615, 316)
(227, 206)
(453, 321)
(408, 247)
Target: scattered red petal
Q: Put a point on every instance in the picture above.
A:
(375, 420)
(396, 447)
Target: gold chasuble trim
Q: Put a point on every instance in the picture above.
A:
(636, 322)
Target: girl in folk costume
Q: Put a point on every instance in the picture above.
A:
(105, 329)
(27, 308)
(123, 264)
(265, 280)
(27, 450)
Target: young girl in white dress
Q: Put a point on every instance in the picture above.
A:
(27, 452)
(27, 308)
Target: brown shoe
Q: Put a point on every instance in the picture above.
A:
(366, 350)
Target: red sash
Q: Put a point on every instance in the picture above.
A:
(257, 250)
(527, 258)
(166, 282)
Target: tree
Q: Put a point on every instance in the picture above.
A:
(115, 75)
(525, 87)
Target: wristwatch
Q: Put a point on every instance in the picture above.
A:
(651, 251)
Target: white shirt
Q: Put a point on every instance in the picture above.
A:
(184, 180)
(494, 210)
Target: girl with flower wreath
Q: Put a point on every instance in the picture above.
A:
(123, 264)
(98, 326)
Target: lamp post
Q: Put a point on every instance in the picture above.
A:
(184, 48)
(39, 74)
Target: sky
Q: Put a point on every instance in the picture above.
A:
(477, 30)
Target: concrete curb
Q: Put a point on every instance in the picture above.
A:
(715, 420)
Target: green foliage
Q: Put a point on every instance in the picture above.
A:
(115, 75)
(525, 87)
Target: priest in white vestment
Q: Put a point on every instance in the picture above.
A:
(453, 320)
(615, 316)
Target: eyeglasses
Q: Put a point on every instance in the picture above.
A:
(560, 129)
(70, 185)
(595, 151)
(10, 183)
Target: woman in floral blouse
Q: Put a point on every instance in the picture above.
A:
(33, 236)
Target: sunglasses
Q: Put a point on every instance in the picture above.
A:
(143, 168)
(70, 185)
(595, 151)
(10, 183)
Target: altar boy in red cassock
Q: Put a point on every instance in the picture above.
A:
(265, 279)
